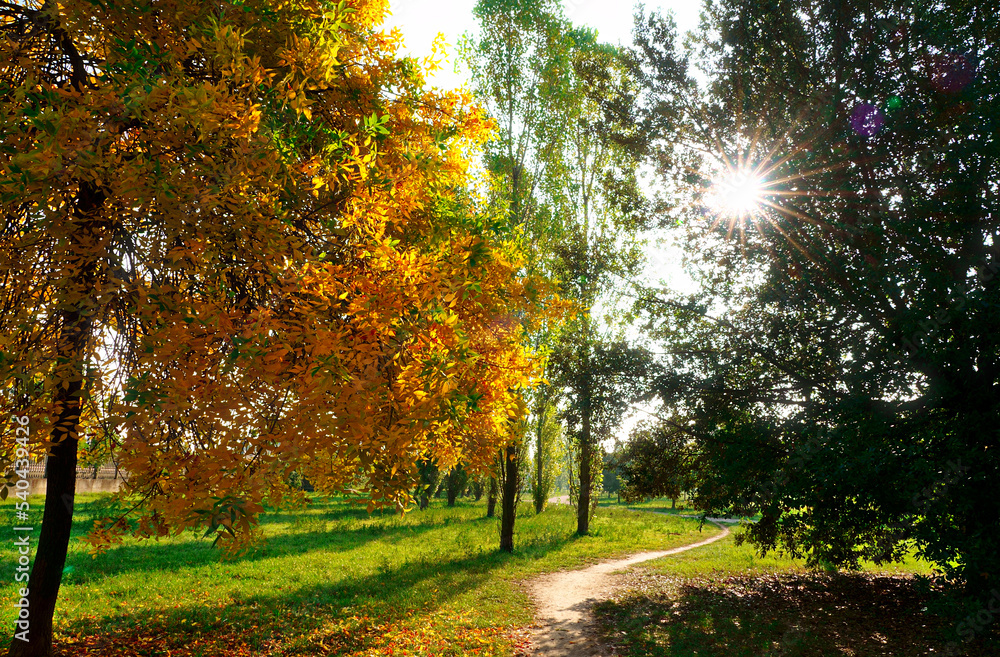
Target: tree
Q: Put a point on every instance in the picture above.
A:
(603, 209)
(235, 245)
(455, 483)
(658, 461)
(429, 479)
(601, 382)
(510, 493)
(548, 439)
(478, 487)
(840, 368)
(515, 68)
(611, 476)
(491, 498)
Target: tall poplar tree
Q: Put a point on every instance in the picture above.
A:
(517, 65)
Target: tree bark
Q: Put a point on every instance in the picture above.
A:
(57, 520)
(539, 461)
(583, 499)
(508, 499)
(452, 485)
(491, 499)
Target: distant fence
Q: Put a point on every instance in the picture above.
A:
(94, 479)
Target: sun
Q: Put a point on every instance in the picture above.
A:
(737, 194)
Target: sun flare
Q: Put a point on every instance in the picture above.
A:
(738, 194)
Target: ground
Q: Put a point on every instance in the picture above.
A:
(564, 624)
(331, 579)
(724, 601)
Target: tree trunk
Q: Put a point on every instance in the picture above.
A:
(583, 497)
(491, 498)
(57, 521)
(539, 462)
(673, 503)
(586, 416)
(508, 499)
(452, 486)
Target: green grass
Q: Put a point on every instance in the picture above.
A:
(660, 505)
(329, 580)
(724, 600)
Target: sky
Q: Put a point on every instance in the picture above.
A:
(421, 20)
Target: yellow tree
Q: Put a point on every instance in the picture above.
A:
(237, 242)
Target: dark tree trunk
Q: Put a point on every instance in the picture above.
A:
(539, 460)
(491, 498)
(57, 518)
(508, 499)
(583, 499)
(452, 485)
(586, 449)
(57, 521)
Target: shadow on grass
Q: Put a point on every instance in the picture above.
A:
(813, 615)
(334, 526)
(345, 617)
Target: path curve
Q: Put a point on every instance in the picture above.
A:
(563, 624)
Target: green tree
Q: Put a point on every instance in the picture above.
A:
(515, 68)
(840, 367)
(658, 461)
(548, 439)
(602, 380)
(455, 483)
(611, 477)
(595, 189)
(430, 477)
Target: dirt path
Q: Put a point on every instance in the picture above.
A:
(563, 624)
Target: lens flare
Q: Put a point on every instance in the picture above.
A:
(736, 195)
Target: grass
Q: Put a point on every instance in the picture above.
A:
(724, 600)
(683, 506)
(330, 579)
(660, 505)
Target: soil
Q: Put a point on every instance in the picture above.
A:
(564, 625)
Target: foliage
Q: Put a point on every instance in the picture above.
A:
(839, 368)
(239, 240)
(657, 461)
(256, 215)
